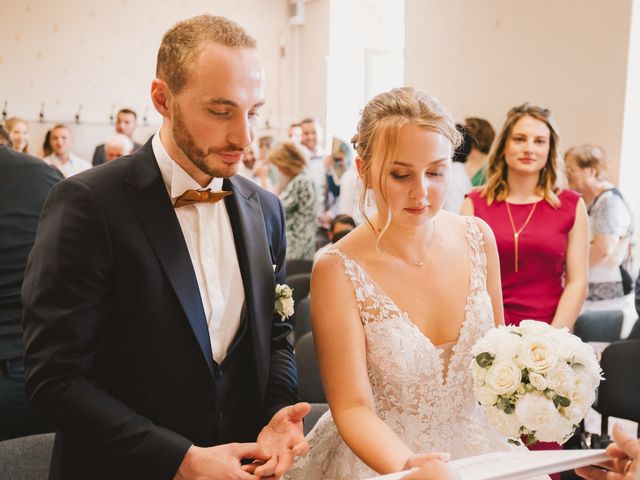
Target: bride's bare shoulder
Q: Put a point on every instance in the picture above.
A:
(352, 246)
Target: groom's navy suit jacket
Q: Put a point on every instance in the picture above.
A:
(118, 354)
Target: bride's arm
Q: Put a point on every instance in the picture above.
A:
(340, 346)
(494, 284)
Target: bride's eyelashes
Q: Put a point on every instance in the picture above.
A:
(441, 172)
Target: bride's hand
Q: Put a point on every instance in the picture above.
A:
(420, 460)
(431, 467)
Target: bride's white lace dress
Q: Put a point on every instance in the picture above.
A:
(426, 401)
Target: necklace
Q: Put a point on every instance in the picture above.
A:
(424, 257)
(516, 233)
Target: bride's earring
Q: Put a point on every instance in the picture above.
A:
(368, 202)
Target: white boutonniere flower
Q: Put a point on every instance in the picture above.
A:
(284, 301)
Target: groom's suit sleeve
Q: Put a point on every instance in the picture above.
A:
(282, 387)
(67, 301)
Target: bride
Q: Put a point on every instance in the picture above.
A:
(398, 304)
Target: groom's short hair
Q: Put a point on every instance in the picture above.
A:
(182, 43)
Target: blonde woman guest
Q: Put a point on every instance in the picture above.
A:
(299, 199)
(541, 228)
(396, 308)
(611, 227)
(19, 133)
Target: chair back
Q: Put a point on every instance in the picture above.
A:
(634, 334)
(294, 267)
(26, 457)
(302, 318)
(309, 383)
(619, 392)
(599, 326)
(301, 284)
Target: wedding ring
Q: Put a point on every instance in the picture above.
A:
(627, 466)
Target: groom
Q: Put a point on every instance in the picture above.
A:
(151, 338)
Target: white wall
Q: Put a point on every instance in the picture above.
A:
(314, 48)
(630, 164)
(101, 55)
(483, 57)
(366, 57)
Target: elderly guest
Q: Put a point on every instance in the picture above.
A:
(300, 200)
(611, 229)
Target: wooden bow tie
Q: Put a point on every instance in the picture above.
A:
(194, 196)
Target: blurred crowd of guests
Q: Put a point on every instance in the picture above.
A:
(318, 184)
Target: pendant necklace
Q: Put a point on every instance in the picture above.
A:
(424, 257)
(516, 233)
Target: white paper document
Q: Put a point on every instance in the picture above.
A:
(517, 465)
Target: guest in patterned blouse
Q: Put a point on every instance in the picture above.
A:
(299, 197)
(611, 228)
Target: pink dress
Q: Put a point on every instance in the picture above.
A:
(534, 291)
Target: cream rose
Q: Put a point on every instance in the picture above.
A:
(537, 353)
(486, 396)
(537, 381)
(503, 377)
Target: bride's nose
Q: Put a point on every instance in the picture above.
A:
(419, 189)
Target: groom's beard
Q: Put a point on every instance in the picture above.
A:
(196, 155)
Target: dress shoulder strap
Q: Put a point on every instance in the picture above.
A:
(355, 274)
(373, 304)
(477, 256)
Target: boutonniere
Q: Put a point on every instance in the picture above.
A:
(284, 301)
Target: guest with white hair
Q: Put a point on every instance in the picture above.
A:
(116, 146)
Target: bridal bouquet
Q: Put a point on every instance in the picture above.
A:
(534, 380)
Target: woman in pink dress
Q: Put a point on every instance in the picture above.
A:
(541, 229)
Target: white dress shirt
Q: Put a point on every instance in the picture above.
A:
(73, 165)
(209, 238)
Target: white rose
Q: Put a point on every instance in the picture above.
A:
(536, 412)
(486, 396)
(287, 306)
(558, 431)
(582, 397)
(478, 373)
(505, 423)
(537, 353)
(487, 343)
(565, 342)
(535, 327)
(561, 379)
(503, 377)
(537, 381)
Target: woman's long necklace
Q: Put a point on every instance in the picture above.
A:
(424, 257)
(516, 233)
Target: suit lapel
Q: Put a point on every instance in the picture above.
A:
(148, 196)
(255, 261)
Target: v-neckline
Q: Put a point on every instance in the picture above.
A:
(444, 378)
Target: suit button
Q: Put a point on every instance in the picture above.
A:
(219, 374)
(220, 416)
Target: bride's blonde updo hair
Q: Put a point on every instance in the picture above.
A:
(380, 124)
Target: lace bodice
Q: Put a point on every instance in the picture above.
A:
(428, 404)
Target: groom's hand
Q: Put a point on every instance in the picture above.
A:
(283, 439)
(221, 462)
